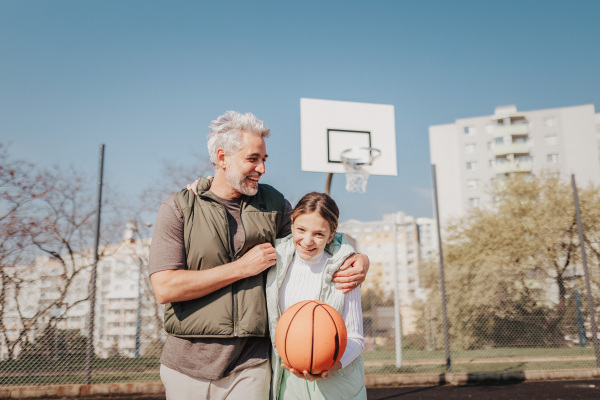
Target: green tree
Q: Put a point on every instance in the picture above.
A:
(371, 300)
(511, 268)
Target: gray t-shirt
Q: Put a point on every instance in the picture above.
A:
(204, 358)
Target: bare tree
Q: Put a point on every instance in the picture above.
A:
(51, 213)
(46, 244)
(174, 177)
(20, 187)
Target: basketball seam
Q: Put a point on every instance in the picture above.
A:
(288, 329)
(337, 337)
(312, 339)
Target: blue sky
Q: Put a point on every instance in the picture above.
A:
(147, 77)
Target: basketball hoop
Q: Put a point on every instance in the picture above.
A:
(353, 160)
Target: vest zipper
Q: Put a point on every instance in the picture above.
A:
(234, 307)
(235, 257)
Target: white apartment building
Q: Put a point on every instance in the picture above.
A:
(428, 238)
(376, 239)
(127, 317)
(473, 153)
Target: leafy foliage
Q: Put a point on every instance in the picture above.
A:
(511, 269)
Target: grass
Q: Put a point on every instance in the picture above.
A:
(525, 359)
(388, 353)
(58, 372)
(79, 364)
(479, 368)
(79, 378)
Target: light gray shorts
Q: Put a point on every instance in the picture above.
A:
(250, 384)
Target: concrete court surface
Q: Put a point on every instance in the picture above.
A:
(546, 390)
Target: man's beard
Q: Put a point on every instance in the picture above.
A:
(238, 182)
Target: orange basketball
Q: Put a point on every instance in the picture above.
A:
(311, 336)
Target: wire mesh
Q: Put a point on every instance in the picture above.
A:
(534, 331)
(490, 338)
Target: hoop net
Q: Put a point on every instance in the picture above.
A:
(356, 177)
(353, 160)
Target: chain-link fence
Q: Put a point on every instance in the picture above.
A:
(508, 306)
(128, 337)
(481, 339)
(45, 331)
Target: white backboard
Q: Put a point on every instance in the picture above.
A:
(328, 127)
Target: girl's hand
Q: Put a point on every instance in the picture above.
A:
(310, 377)
(334, 368)
(292, 370)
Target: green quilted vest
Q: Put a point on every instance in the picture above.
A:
(239, 309)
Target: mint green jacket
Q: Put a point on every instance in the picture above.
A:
(348, 382)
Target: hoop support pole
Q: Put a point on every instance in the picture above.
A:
(328, 183)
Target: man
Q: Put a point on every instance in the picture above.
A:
(207, 258)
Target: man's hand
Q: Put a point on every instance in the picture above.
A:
(309, 377)
(181, 285)
(258, 258)
(352, 272)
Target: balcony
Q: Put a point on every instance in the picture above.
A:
(511, 130)
(512, 148)
(513, 166)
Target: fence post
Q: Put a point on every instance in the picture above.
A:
(591, 308)
(580, 327)
(397, 316)
(442, 278)
(90, 343)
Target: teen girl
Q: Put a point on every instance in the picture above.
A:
(306, 261)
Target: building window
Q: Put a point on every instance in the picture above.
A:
(550, 122)
(499, 141)
(551, 140)
(472, 165)
(524, 159)
(552, 158)
(492, 163)
(469, 148)
(469, 130)
(472, 183)
(474, 201)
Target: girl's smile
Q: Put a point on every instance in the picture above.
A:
(311, 233)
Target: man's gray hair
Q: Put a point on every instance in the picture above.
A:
(226, 132)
